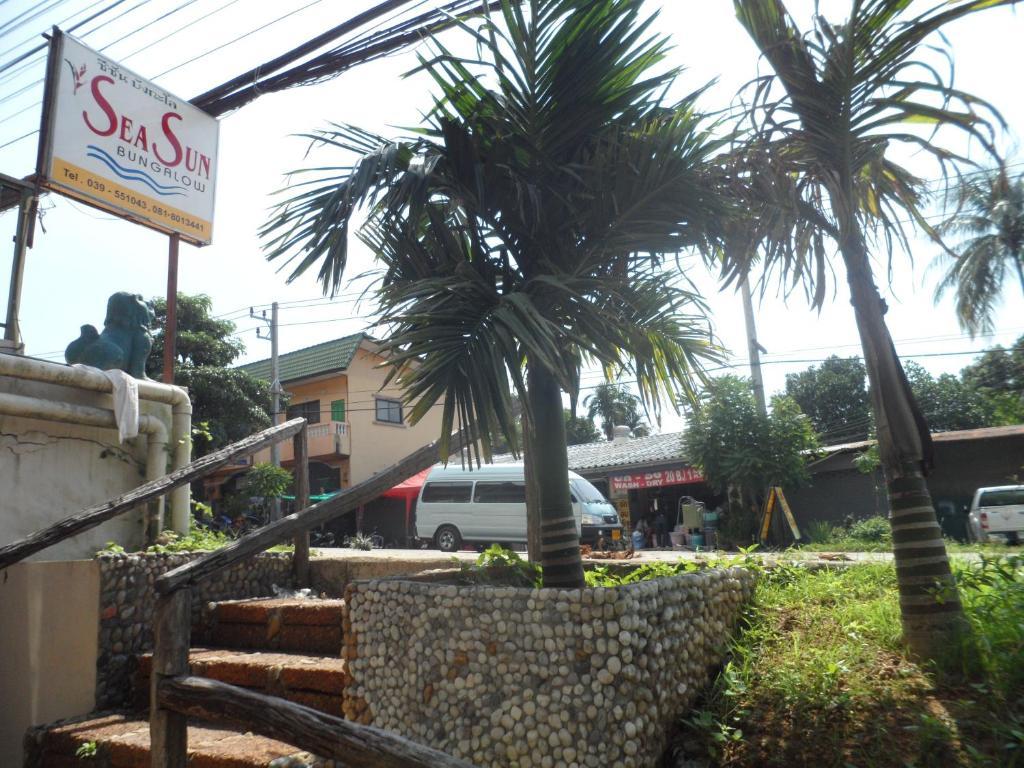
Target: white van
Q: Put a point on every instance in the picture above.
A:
(488, 504)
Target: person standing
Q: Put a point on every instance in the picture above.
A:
(661, 530)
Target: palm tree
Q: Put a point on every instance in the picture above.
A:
(523, 227)
(990, 217)
(614, 405)
(819, 172)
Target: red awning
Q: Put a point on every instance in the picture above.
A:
(409, 488)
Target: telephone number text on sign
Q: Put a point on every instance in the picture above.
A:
(87, 185)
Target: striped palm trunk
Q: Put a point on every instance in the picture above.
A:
(932, 615)
(559, 540)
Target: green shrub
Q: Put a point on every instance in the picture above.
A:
(360, 541)
(498, 565)
(199, 539)
(992, 592)
(874, 529)
(820, 532)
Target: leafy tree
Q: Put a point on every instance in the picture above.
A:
(231, 403)
(202, 340)
(579, 430)
(525, 225)
(1000, 375)
(266, 483)
(989, 218)
(614, 405)
(818, 176)
(834, 396)
(948, 403)
(737, 447)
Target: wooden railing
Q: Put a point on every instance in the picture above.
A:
(174, 694)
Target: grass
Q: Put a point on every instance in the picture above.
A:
(874, 534)
(818, 677)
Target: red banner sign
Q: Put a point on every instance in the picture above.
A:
(681, 476)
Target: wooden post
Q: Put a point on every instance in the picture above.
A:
(171, 327)
(300, 560)
(168, 730)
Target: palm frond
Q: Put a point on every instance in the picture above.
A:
(839, 99)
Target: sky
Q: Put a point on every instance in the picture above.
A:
(82, 255)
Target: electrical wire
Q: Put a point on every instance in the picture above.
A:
(28, 15)
(61, 23)
(43, 46)
(237, 39)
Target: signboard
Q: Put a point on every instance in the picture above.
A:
(128, 146)
(620, 484)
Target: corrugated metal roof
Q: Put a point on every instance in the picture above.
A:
(636, 452)
(952, 436)
(329, 356)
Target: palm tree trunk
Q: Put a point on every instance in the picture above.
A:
(533, 551)
(930, 625)
(560, 542)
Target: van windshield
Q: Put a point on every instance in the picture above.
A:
(1002, 498)
(587, 492)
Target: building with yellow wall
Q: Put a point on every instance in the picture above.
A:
(357, 426)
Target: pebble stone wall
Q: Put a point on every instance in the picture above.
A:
(127, 600)
(526, 678)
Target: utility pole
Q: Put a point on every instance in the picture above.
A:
(275, 389)
(754, 349)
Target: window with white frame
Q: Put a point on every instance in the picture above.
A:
(389, 411)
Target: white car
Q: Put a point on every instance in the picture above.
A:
(998, 510)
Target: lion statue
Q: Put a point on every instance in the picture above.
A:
(125, 342)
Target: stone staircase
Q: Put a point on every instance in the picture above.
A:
(288, 648)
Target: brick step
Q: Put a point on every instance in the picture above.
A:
(276, 624)
(122, 741)
(314, 681)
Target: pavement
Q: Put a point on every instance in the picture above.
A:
(433, 558)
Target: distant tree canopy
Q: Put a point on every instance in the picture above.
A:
(202, 340)
(999, 373)
(580, 430)
(948, 403)
(834, 396)
(230, 403)
(987, 393)
(613, 405)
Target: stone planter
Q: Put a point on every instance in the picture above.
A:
(502, 676)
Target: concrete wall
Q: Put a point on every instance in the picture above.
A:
(50, 470)
(325, 390)
(49, 618)
(377, 445)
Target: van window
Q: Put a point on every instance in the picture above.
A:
(500, 493)
(1004, 498)
(586, 491)
(440, 493)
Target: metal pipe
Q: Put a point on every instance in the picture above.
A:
(94, 380)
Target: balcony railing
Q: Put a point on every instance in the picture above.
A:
(328, 438)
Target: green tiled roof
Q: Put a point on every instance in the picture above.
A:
(329, 356)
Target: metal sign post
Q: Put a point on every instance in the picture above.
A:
(22, 241)
(171, 326)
